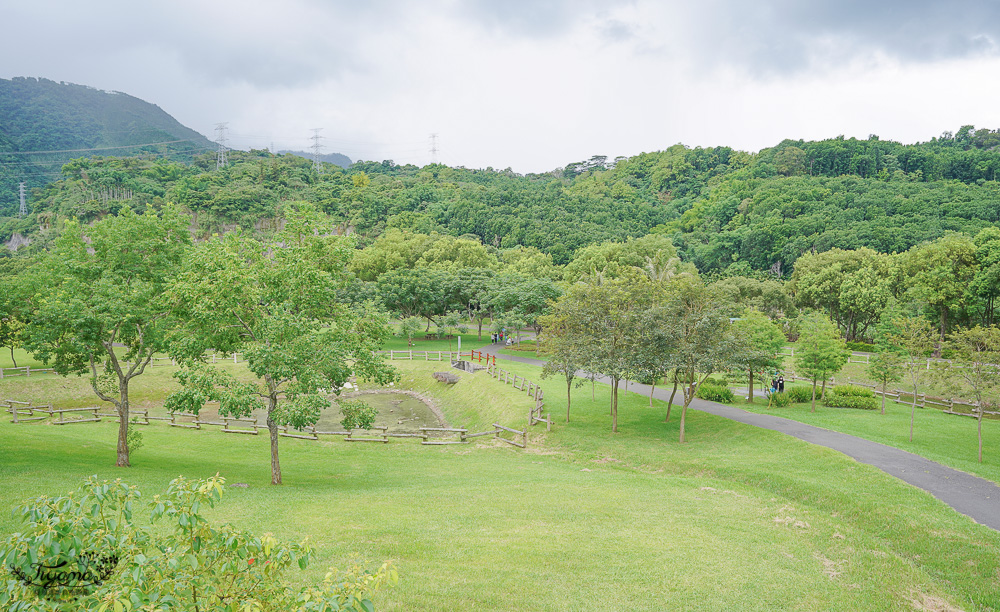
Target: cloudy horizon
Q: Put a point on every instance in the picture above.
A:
(527, 85)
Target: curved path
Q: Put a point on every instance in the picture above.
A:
(975, 497)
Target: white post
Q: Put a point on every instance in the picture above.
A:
(460, 346)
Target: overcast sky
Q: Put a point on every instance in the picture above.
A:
(526, 84)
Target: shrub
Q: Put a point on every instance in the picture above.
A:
(780, 400)
(851, 401)
(853, 390)
(715, 393)
(861, 347)
(799, 395)
(85, 552)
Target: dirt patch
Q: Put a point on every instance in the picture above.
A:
(830, 568)
(923, 601)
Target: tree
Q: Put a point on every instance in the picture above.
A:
(563, 349)
(102, 308)
(526, 298)
(940, 273)
(452, 322)
(986, 284)
(884, 368)
(605, 321)
(408, 327)
(820, 350)
(914, 339)
(275, 304)
(852, 287)
(699, 337)
(10, 334)
(977, 355)
(764, 340)
(424, 292)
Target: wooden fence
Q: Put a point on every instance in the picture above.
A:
(535, 415)
(449, 356)
(155, 362)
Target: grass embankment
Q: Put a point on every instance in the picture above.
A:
(737, 518)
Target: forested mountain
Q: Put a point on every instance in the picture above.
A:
(727, 212)
(42, 115)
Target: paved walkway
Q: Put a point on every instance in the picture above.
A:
(975, 497)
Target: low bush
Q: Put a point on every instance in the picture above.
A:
(861, 347)
(780, 400)
(851, 401)
(798, 395)
(853, 390)
(84, 552)
(715, 393)
(715, 382)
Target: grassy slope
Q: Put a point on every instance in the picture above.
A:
(736, 519)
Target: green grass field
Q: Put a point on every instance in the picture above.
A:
(735, 519)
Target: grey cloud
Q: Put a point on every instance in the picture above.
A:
(528, 18)
(781, 36)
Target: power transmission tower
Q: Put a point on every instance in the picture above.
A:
(24, 205)
(316, 147)
(220, 138)
(434, 148)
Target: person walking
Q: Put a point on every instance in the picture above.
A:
(781, 384)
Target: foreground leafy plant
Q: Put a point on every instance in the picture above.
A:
(85, 551)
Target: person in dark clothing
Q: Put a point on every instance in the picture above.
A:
(781, 384)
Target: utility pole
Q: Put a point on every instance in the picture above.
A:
(316, 147)
(24, 205)
(434, 148)
(220, 138)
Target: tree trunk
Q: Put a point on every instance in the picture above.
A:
(913, 411)
(750, 399)
(979, 428)
(272, 429)
(12, 356)
(123, 426)
(480, 330)
(883, 398)
(614, 405)
(670, 402)
(814, 396)
(569, 386)
(652, 390)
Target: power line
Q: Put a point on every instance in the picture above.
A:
(93, 149)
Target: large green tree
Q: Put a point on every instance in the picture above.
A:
(820, 351)
(940, 273)
(764, 342)
(697, 337)
(101, 308)
(275, 304)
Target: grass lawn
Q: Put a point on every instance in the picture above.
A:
(735, 519)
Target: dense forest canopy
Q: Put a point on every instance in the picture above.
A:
(727, 212)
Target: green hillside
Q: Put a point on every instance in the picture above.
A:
(726, 211)
(42, 115)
